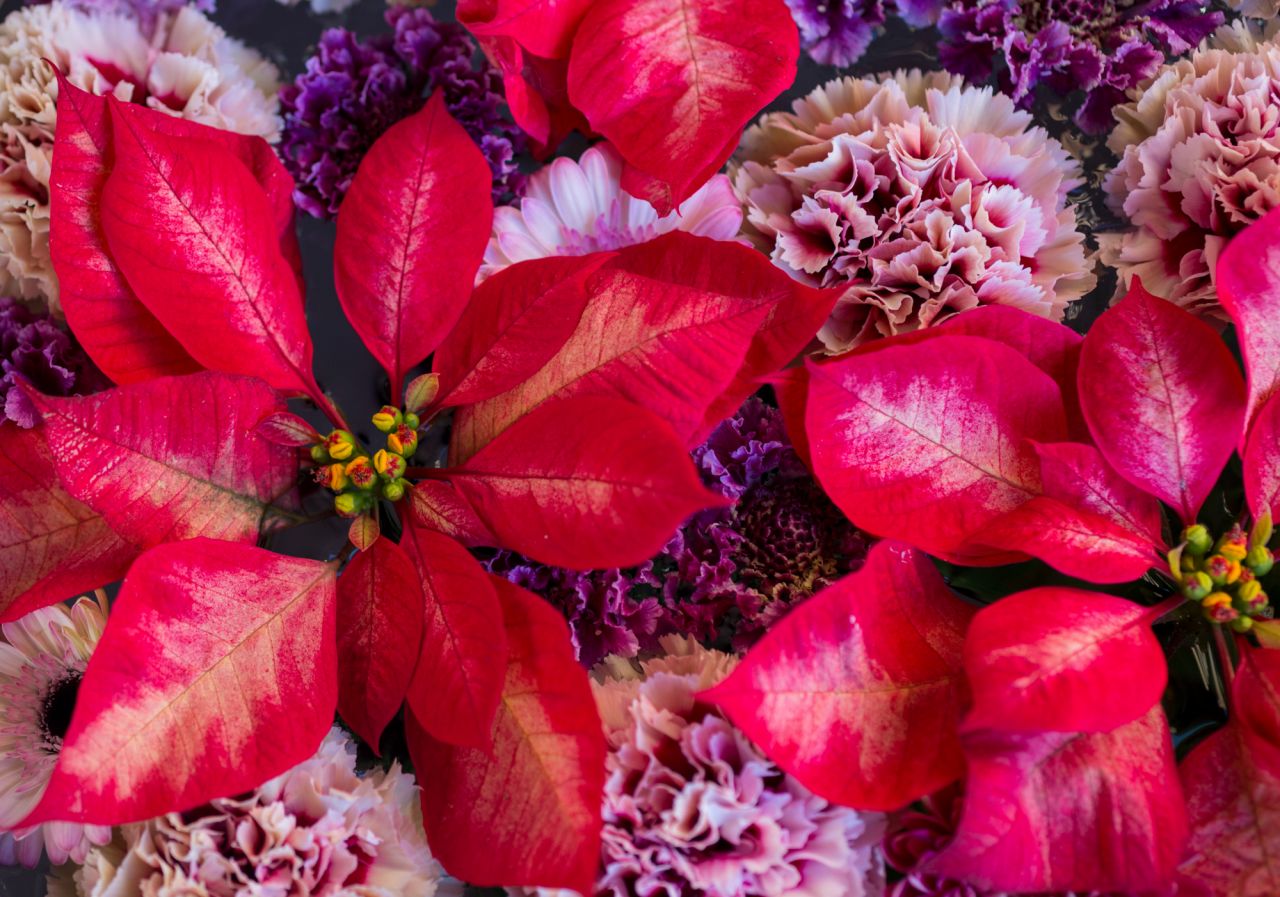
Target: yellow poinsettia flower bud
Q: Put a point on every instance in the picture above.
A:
(337, 478)
(380, 460)
(1197, 539)
(388, 418)
(1197, 585)
(347, 505)
(341, 445)
(1222, 570)
(1217, 607)
(361, 473)
(393, 491)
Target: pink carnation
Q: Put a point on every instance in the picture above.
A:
(576, 208)
(1200, 161)
(921, 197)
(319, 830)
(692, 807)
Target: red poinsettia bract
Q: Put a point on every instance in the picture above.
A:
(575, 387)
(999, 436)
(671, 83)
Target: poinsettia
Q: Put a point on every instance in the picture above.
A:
(999, 436)
(573, 389)
(670, 84)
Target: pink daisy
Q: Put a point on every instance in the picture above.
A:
(42, 660)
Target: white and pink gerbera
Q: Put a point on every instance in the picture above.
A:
(575, 208)
(920, 197)
(42, 660)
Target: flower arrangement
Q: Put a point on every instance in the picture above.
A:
(756, 497)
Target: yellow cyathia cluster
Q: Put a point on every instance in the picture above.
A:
(360, 479)
(1224, 575)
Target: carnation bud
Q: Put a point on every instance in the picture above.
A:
(1197, 539)
(319, 454)
(341, 445)
(1260, 560)
(1197, 585)
(393, 491)
(388, 418)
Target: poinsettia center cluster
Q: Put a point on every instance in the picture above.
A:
(358, 477)
(1225, 574)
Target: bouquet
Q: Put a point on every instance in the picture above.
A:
(865, 490)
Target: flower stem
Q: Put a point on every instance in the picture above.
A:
(1168, 606)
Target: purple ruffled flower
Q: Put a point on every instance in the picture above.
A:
(354, 89)
(837, 32)
(1103, 47)
(727, 574)
(33, 348)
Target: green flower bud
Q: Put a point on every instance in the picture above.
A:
(347, 505)
(1260, 560)
(411, 421)
(1242, 624)
(319, 454)
(1197, 538)
(393, 491)
(1197, 585)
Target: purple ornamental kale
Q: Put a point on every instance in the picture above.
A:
(33, 348)
(727, 574)
(837, 32)
(354, 89)
(1102, 47)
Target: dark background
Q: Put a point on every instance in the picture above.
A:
(286, 35)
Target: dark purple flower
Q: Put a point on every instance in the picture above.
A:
(837, 32)
(33, 348)
(727, 574)
(354, 89)
(1101, 47)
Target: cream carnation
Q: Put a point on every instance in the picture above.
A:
(185, 66)
(921, 197)
(319, 830)
(692, 807)
(1200, 160)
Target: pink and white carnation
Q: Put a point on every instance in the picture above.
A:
(576, 208)
(320, 830)
(691, 806)
(1200, 160)
(42, 659)
(182, 64)
(920, 197)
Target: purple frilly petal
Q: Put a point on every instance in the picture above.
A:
(837, 32)
(32, 348)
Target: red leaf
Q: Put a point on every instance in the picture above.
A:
(122, 337)
(1163, 398)
(404, 270)
(672, 83)
(1077, 474)
(216, 672)
(1262, 462)
(437, 506)
(515, 323)
(51, 546)
(365, 531)
(1232, 781)
(585, 483)
(857, 691)
(543, 27)
(172, 458)
(527, 810)
(456, 686)
(667, 327)
(791, 388)
(1069, 811)
(537, 93)
(1248, 281)
(1077, 542)
(379, 636)
(283, 428)
(176, 207)
(1048, 660)
(928, 442)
